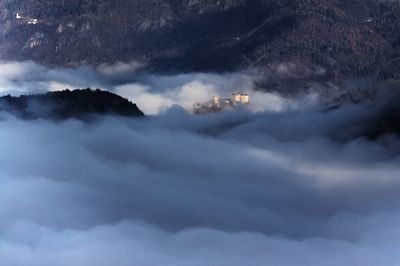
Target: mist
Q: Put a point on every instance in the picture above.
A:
(155, 94)
(278, 183)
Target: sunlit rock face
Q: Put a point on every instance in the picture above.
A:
(296, 40)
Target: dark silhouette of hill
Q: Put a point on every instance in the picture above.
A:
(385, 119)
(380, 116)
(65, 104)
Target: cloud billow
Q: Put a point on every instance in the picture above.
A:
(234, 188)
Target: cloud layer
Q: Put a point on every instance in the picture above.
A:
(272, 186)
(154, 94)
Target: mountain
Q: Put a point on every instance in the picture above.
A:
(290, 40)
(380, 119)
(81, 104)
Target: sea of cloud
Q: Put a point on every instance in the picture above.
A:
(267, 185)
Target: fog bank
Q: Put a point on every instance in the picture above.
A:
(283, 184)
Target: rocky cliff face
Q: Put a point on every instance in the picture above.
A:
(290, 39)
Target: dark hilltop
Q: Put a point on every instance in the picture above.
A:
(80, 104)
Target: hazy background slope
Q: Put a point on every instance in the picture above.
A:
(318, 40)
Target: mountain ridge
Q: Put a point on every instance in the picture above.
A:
(300, 40)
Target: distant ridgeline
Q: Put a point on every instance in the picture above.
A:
(66, 104)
